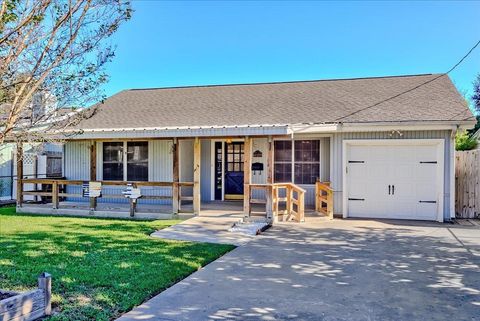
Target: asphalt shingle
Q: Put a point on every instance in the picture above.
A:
(323, 101)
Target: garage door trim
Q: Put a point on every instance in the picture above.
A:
(439, 143)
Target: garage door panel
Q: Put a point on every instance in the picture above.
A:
(411, 169)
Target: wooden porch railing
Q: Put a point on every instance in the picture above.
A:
(294, 200)
(324, 198)
(55, 192)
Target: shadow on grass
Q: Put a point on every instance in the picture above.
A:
(101, 268)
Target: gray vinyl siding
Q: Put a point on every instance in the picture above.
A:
(77, 166)
(206, 170)
(337, 161)
(259, 144)
(160, 169)
(6, 171)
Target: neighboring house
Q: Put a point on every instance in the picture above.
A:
(386, 144)
(40, 159)
(476, 136)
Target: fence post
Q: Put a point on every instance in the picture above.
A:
(19, 174)
(55, 194)
(45, 283)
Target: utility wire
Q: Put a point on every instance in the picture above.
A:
(414, 88)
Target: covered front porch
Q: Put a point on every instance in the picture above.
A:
(176, 177)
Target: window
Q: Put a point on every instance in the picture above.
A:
(283, 161)
(113, 161)
(307, 161)
(136, 166)
(305, 165)
(137, 161)
(235, 154)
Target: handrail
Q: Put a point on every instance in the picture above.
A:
(55, 192)
(324, 198)
(294, 200)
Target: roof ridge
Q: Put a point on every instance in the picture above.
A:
(281, 82)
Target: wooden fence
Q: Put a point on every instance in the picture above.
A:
(31, 305)
(467, 184)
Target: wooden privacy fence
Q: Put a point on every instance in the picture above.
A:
(294, 200)
(58, 190)
(324, 198)
(467, 184)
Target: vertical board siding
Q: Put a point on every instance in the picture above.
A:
(6, 170)
(186, 164)
(205, 170)
(325, 159)
(260, 144)
(77, 166)
(160, 168)
(337, 161)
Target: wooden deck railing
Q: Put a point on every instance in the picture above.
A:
(324, 198)
(294, 200)
(56, 192)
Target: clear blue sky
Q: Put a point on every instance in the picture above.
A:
(196, 43)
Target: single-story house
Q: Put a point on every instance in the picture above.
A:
(385, 145)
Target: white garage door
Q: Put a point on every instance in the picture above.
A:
(394, 179)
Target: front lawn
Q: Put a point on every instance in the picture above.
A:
(101, 268)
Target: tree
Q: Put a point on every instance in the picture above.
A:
(53, 51)
(463, 141)
(476, 104)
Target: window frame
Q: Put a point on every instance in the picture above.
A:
(125, 159)
(293, 162)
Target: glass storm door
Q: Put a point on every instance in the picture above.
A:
(234, 153)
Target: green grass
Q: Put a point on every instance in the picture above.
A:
(101, 268)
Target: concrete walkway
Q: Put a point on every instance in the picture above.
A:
(334, 270)
(211, 227)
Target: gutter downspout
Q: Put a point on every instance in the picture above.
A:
(452, 172)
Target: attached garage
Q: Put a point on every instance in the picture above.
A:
(394, 179)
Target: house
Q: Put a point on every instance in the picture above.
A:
(40, 159)
(385, 145)
(476, 136)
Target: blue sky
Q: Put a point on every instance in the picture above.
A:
(218, 42)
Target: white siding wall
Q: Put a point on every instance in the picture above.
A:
(337, 162)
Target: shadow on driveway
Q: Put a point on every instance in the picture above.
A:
(334, 270)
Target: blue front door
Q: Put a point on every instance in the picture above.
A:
(234, 153)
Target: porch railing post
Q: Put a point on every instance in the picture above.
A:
(176, 178)
(196, 176)
(55, 194)
(19, 174)
(93, 172)
(247, 167)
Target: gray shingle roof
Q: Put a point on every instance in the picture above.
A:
(324, 101)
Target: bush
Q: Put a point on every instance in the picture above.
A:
(465, 142)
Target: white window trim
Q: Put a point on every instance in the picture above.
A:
(293, 156)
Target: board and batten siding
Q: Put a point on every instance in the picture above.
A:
(337, 161)
(160, 168)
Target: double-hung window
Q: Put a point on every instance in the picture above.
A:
(296, 161)
(125, 161)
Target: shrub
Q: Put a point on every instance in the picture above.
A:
(465, 142)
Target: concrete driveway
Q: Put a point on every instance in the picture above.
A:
(334, 270)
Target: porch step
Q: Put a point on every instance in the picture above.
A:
(257, 201)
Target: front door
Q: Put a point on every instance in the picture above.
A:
(234, 153)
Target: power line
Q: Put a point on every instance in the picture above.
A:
(414, 88)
